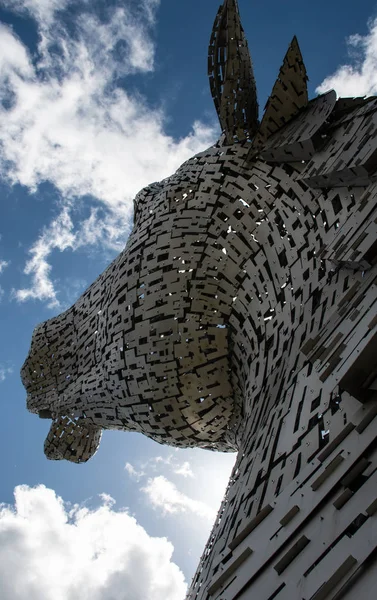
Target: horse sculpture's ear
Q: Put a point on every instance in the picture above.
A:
(231, 76)
(73, 440)
(288, 97)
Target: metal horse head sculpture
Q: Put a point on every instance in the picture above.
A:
(186, 331)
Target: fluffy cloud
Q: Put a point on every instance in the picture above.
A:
(59, 235)
(164, 495)
(3, 265)
(69, 118)
(161, 493)
(134, 473)
(170, 463)
(4, 371)
(358, 78)
(184, 469)
(174, 465)
(51, 552)
(43, 10)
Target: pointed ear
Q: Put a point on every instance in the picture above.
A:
(231, 76)
(73, 440)
(288, 97)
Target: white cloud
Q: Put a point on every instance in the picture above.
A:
(134, 473)
(170, 463)
(42, 10)
(66, 120)
(184, 469)
(58, 235)
(150, 7)
(14, 61)
(163, 494)
(50, 552)
(4, 371)
(3, 265)
(359, 77)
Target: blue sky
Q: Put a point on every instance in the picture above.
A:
(97, 100)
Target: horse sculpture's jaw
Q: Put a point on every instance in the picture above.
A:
(73, 440)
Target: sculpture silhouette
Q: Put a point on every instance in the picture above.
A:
(242, 316)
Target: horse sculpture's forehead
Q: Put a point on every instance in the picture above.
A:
(205, 172)
(209, 194)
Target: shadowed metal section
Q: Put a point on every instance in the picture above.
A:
(231, 75)
(289, 95)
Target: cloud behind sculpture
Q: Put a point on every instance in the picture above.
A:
(359, 76)
(164, 496)
(50, 550)
(68, 117)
